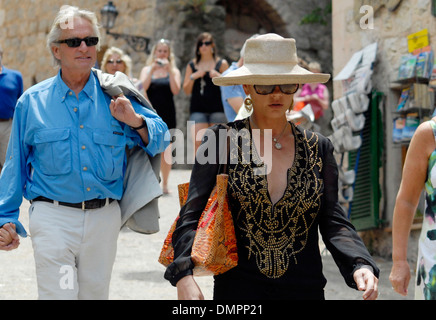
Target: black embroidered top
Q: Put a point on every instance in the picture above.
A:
(277, 243)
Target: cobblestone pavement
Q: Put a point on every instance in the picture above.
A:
(138, 276)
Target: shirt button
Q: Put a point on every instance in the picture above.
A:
(83, 147)
(75, 109)
(88, 189)
(70, 93)
(81, 126)
(85, 168)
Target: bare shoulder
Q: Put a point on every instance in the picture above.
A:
(423, 140)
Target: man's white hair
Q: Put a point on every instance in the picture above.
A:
(65, 20)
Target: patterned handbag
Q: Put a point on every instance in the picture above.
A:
(214, 250)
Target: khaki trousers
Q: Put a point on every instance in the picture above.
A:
(74, 249)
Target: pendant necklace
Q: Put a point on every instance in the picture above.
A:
(277, 144)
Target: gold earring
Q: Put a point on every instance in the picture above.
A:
(292, 105)
(248, 104)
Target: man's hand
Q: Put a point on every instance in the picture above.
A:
(9, 239)
(122, 110)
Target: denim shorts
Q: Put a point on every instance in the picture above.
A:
(214, 117)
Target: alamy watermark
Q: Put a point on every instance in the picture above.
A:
(367, 20)
(66, 281)
(68, 21)
(241, 144)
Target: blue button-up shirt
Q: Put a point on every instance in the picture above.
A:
(228, 92)
(11, 88)
(69, 148)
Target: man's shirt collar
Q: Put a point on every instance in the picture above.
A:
(64, 90)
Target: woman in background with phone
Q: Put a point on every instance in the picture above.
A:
(161, 81)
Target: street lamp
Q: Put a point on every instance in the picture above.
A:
(109, 14)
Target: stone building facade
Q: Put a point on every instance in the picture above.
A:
(392, 22)
(25, 24)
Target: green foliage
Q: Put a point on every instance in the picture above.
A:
(318, 15)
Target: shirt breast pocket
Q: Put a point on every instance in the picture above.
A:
(53, 151)
(109, 153)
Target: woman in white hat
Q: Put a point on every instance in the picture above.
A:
(277, 210)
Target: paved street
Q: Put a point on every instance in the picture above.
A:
(138, 276)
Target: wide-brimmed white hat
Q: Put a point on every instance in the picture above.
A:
(270, 59)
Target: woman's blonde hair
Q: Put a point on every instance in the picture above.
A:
(171, 57)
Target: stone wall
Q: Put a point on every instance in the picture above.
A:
(25, 24)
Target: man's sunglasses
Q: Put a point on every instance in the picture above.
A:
(268, 89)
(205, 43)
(76, 42)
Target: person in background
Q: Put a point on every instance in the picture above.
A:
(206, 107)
(67, 156)
(419, 172)
(11, 88)
(161, 81)
(114, 60)
(281, 201)
(233, 96)
(315, 94)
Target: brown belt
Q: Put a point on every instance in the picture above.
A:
(4, 120)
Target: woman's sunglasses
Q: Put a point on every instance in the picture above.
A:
(76, 42)
(268, 89)
(205, 43)
(111, 61)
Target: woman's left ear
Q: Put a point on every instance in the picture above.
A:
(246, 89)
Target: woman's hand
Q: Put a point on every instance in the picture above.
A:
(188, 289)
(198, 74)
(366, 281)
(400, 276)
(9, 239)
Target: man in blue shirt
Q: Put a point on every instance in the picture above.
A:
(67, 156)
(11, 88)
(233, 96)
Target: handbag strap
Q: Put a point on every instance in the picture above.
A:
(223, 165)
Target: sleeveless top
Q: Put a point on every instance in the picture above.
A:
(161, 97)
(205, 96)
(426, 264)
(319, 90)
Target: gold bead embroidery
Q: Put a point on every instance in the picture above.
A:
(274, 234)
